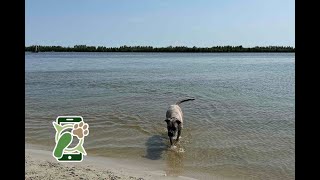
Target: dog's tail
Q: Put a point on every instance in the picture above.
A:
(189, 99)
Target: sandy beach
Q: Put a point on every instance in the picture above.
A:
(39, 164)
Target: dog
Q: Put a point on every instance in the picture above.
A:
(174, 120)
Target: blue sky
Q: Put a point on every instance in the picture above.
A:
(160, 22)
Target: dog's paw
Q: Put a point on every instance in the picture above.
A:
(80, 130)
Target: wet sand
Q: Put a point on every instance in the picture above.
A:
(39, 164)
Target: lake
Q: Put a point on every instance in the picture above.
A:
(241, 124)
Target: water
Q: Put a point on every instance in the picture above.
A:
(241, 125)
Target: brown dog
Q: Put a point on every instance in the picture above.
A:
(174, 119)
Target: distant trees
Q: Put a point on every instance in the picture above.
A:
(194, 49)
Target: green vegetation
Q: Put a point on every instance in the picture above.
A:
(84, 48)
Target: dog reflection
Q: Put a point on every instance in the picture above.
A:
(174, 162)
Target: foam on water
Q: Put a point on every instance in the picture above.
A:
(176, 149)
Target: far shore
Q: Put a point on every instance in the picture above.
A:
(168, 49)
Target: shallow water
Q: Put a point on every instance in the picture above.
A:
(242, 123)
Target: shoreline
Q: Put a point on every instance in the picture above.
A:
(39, 164)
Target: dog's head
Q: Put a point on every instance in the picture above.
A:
(172, 126)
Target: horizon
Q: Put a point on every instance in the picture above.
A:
(72, 46)
(160, 23)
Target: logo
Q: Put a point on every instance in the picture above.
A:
(67, 128)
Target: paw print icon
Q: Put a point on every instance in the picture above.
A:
(80, 130)
(67, 128)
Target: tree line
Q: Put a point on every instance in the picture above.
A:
(85, 48)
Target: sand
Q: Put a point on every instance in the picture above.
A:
(40, 164)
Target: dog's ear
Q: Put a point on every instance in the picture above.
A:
(167, 120)
(178, 121)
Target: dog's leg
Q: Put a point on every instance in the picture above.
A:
(171, 143)
(179, 133)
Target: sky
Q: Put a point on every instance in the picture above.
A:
(160, 23)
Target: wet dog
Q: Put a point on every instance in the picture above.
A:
(174, 119)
